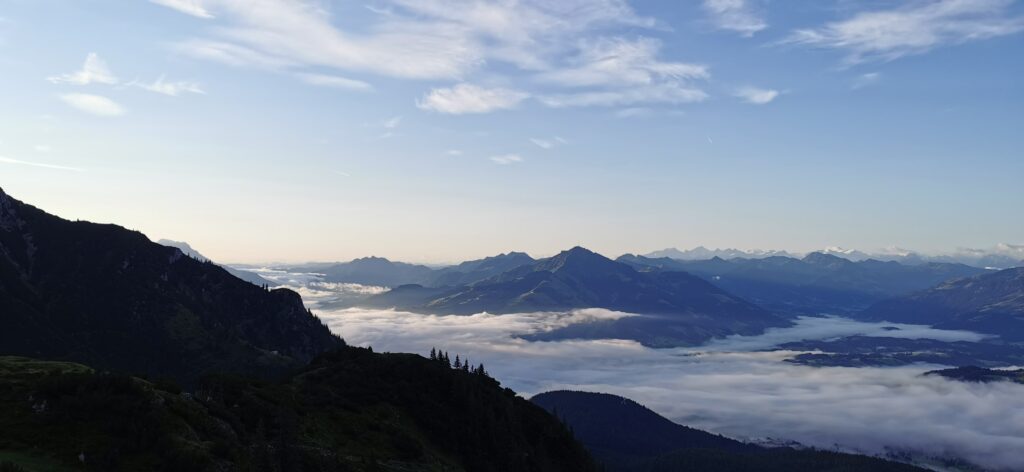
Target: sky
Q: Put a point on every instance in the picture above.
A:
(443, 130)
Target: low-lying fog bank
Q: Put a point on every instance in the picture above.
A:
(732, 386)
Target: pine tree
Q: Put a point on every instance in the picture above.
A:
(458, 363)
(433, 354)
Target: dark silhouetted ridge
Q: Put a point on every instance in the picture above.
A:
(109, 297)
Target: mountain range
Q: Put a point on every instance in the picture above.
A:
(817, 283)
(118, 353)
(1001, 256)
(677, 308)
(627, 437)
(988, 303)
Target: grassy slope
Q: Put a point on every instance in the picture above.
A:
(350, 410)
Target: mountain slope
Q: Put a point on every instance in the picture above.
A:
(370, 271)
(677, 308)
(990, 303)
(245, 275)
(350, 410)
(627, 437)
(818, 283)
(470, 272)
(109, 297)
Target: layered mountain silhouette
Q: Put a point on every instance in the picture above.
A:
(109, 297)
(370, 271)
(677, 308)
(990, 303)
(817, 283)
(470, 272)
(627, 437)
(268, 387)
(383, 272)
(245, 275)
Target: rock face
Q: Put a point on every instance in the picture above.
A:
(110, 298)
(991, 303)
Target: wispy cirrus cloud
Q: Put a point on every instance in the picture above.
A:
(188, 7)
(668, 93)
(548, 143)
(506, 159)
(562, 47)
(170, 88)
(735, 15)
(8, 160)
(865, 80)
(94, 71)
(756, 95)
(621, 61)
(468, 98)
(93, 104)
(334, 81)
(914, 28)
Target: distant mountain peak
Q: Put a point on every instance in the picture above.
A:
(576, 257)
(824, 258)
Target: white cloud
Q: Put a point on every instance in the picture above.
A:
(189, 7)
(542, 143)
(94, 71)
(454, 152)
(94, 104)
(283, 33)
(865, 80)
(231, 54)
(740, 392)
(914, 28)
(625, 62)
(173, 89)
(633, 112)
(7, 160)
(334, 81)
(669, 92)
(392, 123)
(468, 98)
(506, 159)
(757, 96)
(433, 39)
(735, 15)
(548, 143)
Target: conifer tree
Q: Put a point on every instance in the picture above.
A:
(458, 363)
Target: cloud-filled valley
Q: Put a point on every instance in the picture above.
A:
(733, 386)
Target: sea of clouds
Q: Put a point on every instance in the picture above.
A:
(732, 386)
(737, 386)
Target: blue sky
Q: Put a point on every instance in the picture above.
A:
(439, 130)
